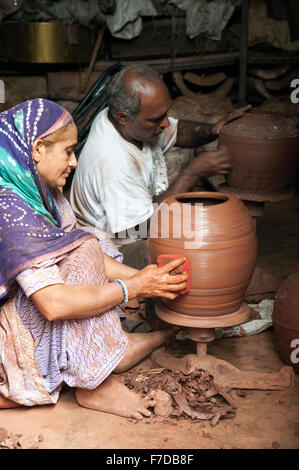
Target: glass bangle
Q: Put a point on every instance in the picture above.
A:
(125, 292)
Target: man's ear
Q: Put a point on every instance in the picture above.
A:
(122, 118)
(38, 148)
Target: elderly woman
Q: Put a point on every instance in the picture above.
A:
(59, 293)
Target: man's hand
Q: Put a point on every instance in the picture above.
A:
(226, 119)
(211, 163)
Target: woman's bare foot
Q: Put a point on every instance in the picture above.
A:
(5, 403)
(141, 345)
(112, 396)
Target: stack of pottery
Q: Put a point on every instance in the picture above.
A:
(286, 320)
(263, 148)
(216, 232)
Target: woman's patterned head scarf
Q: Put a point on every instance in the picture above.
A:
(30, 225)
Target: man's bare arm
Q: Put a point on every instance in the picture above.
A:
(207, 164)
(194, 134)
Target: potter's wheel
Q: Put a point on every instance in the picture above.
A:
(262, 196)
(202, 331)
(222, 235)
(170, 316)
(255, 201)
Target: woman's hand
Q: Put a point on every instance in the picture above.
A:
(153, 281)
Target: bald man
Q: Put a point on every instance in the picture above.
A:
(121, 172)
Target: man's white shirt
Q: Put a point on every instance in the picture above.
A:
(115, 182)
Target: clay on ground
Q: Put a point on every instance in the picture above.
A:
(263, 420)
(10, 440)
(163, 406)
(194, 396)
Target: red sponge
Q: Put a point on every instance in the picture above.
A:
(186, 266)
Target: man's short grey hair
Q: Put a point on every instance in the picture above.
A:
(127, 99)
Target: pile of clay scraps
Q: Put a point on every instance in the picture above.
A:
(10, 440)
(194, 396)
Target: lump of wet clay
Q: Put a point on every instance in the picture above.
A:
(3, 434)
(163, 403)
(19, 441)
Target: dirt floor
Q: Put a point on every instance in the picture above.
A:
(263, 419)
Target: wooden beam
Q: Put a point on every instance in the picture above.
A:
(243, 53)
(179, 63)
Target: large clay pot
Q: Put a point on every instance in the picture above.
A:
(286, 320)
(216, 232)
(263, 148)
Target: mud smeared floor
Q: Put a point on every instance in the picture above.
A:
(194, 396)
(263, 419)
(10, 440)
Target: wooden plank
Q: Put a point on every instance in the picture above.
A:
(21, 88)
(273, 58)
(67, 85)
(159, 36)
(180, 63)
(30, 87)
(154, 41)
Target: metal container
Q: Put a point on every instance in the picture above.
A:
(45, 42)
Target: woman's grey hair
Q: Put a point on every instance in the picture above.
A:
(124, 98)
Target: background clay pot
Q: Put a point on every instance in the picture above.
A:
(263, 148)
(286, 319)
(219, 238)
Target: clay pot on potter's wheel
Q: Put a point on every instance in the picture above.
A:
(286, 320)
(263, 148)
(216, 232)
